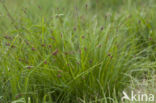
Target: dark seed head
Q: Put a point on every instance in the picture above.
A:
(50, 46)
(24, 10)
(29, 67)
(78, 63)
(75, 29)
(45, 62)
(139, 22)
(18, 96)
(102, 28)
(33, 49)
(55, 52)
(39, 7)
(90, 61)
(68, 65)
(66, 53)
(85, 49)
(83, 37)
(99, 46)
(43, 45)
(53, 38)
(80, 51)
(27, 42)
(60, 71)
(12, 46)
(59, 75)
(20, 59)
(83, 78)
(7, 44)
(86, 6)
(110, 55)
(61, 35)
(8, 37)
(150, 38)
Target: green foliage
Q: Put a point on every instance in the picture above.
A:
(74, 51)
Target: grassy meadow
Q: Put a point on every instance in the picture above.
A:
(76, 51)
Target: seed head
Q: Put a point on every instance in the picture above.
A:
(29, 67)
(12, 46)
(83, 37)
(90, 61)
(43, 45)
(80, 51)
(68, 65)
(150, 38)
(139, 22)
(86, 6)
(18, 96)
(134, 56)
(60, 71)
(61, 35)
(83, 78)
(33, 49)
(59, 76)
(27, 42)
(55, 52)
(66, 53)
(99, 46)
(53, 38)
(102, 28)
(50, 46)
(20, 59)
(45, 62)
(85, 49)
(7, 44)
(25, 10)
(110, 55)
(39, 7)
(75, 29)
(8, 37)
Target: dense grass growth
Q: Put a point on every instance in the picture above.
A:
(63, 51)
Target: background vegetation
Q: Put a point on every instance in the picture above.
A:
(79, 51)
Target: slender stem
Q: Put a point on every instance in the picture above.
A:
(9, 15)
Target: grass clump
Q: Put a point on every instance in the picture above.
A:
(77, 52)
